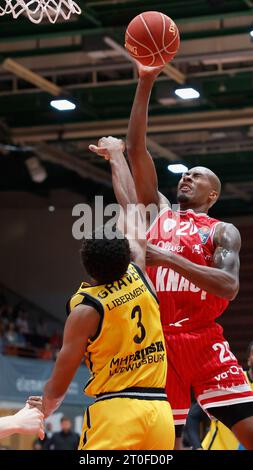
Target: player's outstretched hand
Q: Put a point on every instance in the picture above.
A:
(107, 145)
(35, 401)
(145, 71)
(29, 421)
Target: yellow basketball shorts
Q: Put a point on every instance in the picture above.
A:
(128, 423)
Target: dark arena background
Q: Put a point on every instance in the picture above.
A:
(46, 168)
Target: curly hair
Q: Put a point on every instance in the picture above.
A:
(105, 260)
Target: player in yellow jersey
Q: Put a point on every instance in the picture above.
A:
(218, 437)
(115, 321)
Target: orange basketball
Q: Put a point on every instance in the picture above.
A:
(152, 38)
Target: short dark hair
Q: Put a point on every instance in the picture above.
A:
(64, 418)
(105, 260)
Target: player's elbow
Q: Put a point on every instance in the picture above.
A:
(131, 152)
(134, 148)
(232, 290)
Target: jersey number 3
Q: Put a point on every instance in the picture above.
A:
(138, 338)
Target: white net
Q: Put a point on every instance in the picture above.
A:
(36, 10)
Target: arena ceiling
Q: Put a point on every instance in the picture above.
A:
(85, 58)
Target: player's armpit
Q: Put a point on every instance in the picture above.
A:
(135, 232)
(163, 201)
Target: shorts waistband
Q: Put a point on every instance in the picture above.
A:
(190, 327)
(139, 393)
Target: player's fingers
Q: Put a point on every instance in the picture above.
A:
(123, 145)
(39, 414)
(94, 148)
(41, 434)
(33, 402)
(34, 399)
(102, 141)
(98, 150)
(101, 151)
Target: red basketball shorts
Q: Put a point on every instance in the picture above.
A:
(202, 360)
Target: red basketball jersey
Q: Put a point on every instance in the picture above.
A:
(183, 305)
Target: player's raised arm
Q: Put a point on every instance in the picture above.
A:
(132, 218)
(141, 162)
(81, 324)
(112, 149)
(222, 279)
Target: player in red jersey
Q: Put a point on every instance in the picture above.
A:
(194, 263)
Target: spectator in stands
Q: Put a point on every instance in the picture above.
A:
(24, 336)
(41, 328)
(6, 314)
(48, 429)
(66, 439)
(12, 337)
(46, 353)
(56, 339)
(22, 322)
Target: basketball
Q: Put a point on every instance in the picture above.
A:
(152, 38)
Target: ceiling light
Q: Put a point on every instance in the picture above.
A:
(63, 105)
(177, 168)
(187, 93)
(251, 33)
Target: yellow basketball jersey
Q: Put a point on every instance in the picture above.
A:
(128, 350)
(219, 437)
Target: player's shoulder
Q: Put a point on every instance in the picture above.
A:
(226, 231)
(163, 201)
(227, 227)
(77, 298)
(85, 300)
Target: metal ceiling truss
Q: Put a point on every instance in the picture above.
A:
(85, 57)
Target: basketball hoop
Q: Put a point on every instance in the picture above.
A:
(36, 10)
